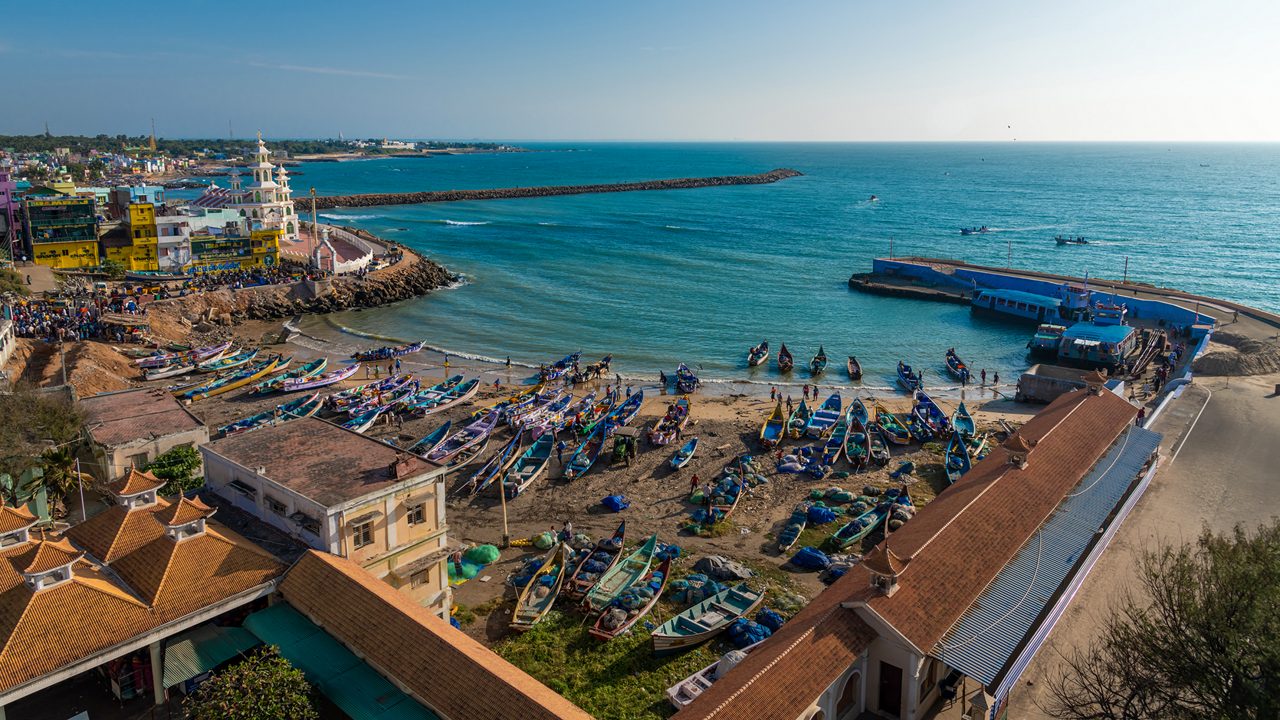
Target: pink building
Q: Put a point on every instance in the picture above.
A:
(9, 232)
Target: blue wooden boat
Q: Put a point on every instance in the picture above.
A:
(834, 447)
(819, 362)
(909, 379)
(795, 525)
(799, 420)
(918, 426)
(626, 412)
(858, 413)
(465, 439)
(963, 422)
(825, 417)
(363, 421)
(857, 445)
(228, 362)
(956, 366)
(301, 407)
(276, 384)
(785, 359)
(432, 396)
(387, 353)
(585, 456)
(605, 554)
(529, 466)
(495, 466)
(431, 440)
(686, 381)
(621, 576)
(685, 454)
(705, 620)
(958, 462)
(932, 415)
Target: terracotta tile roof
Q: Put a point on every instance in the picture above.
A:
(1016, 443)
(135, 483)
(119, 418)
(50, 555)
(116, 532)
(318, 459)
(444, 669)
(882, 560)
(184, 511)
(15, 518)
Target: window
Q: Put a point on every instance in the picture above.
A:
(362, 534)
(244, 489)
(276, 506)
(138, 461)
(416, 514)
(420, 578)
(307, 522)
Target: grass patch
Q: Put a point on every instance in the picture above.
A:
(620, 679)
(12, 282)
(463, 614)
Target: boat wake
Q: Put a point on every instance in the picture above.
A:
(462, 223)
(336, 216)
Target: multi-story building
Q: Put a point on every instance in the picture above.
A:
(10, 211)
(343, 493)
(130, 428)
(61, 230)
(175, 228)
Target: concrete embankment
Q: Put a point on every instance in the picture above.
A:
(412, 198)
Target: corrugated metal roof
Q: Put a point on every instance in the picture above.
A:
(1023, 296)
(985, 639)
(1105, 333)
(203, 649)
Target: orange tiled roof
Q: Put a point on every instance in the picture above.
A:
(184, 511)
(50, 555)
(116, 532)
(135, 483)
(15, 518)
(445, 669)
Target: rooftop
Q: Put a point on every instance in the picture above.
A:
(119, 418)
(1101, 333)
(320, 460)
(1021, 296)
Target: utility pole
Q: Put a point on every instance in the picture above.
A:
(1126, 270)
(230, 133)
(315, 228)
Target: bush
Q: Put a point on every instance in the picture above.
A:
(264, 686)
(177, 468)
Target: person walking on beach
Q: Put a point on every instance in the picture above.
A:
(662, 379)
(693, 484)
(560, 448)
(391, 369)
(788, 404)
(995, 379)
(773, 394)
(805, 390)
(628, 390)
(984, 376)
(815, 393)
(398, 364)
(508, 361)
(617, 380)
(496, 385)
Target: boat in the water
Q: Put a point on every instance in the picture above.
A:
(705, 620)
(304, 406)
(666, 428)
(685, 454)
(688, 689)
(495, 467)
(958, 461)
(529, 466)
(307, 370)
(387, 353)
(620, 617)
(621, 576)
(758, 354)
(431, 440)
(854, 368)
(799, 420)
(891, 427)
(539, 594)
(975, 230)
(585, 456)
(468, 437)
(686, 381)
(1044, 344)
(825, 417)
(785, 360)
(594, 563)
(1071, 240)
(322, 380)
(909, 379)
(819, 362)
(956, 366)
(795, 525)
(774, 427)
(962, 422)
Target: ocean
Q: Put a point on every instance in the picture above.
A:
(698, 276)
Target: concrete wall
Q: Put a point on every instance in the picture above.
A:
(8, 337)
(112, 462)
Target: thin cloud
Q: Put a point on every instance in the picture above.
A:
(318, 70)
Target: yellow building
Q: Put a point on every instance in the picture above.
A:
(142, 252)
(61, 230)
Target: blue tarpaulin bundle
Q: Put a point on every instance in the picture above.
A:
(810, 558)
(833, 575)
(744, 632)
(454, 622)
(667, 551)
(616, 503)
(819, 515)
(770, 619)
(595, 566)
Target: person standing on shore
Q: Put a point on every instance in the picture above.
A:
(1142, 413)
(788, 404)
(508, 361)
(398, 364)
(560, 448)
(995, 379)
(617, 380)
(984, 376)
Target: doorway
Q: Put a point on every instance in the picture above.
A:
(890, 689)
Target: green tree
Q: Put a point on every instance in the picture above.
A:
(1201, 639)
(113, 268)
(178, 468)
(48, 419)
(263, 686)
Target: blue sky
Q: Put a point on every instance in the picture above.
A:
(746, 70)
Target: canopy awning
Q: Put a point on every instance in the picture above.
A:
(202, 649)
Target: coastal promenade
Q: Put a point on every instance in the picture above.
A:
(413, 198)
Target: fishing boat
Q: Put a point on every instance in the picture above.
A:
(799, 420)
(586, 421)
(932, 415)
(854, 368)
(795, 525)
(825, 417)
(858, 528)
(621, 576)
(958, 461)
(688, 689)
(551, 419)
(963, 422)
(618, 619)
(1070, 240)
(909, 380)
(819, 362)
(624, 413)
(685, 454)
(433, 394)
(858, 413)
(305, 406)
(187, 355)
(705, 620)
(857, 444)
(322, 380)
(539, 594)
(604, 555)
(725, 497)
(431, 440)
(357, 395)
(771, 432)
(466, 438)
(501, 405)
(495, 466)
(893, 429)
(471, 454)
(227, 383)
(686, 381)
(834, 447)
(168, 371)
(365, 420)
(155, 276)
(454, 396)
(228, 362)
(585, 456)
(559, 367)
(917, 426)
(666, 428)
(388, 399)
(975, 230)
(1044, 344)
(387, 353)
(275, 384)
(529, 466)
(785, 360)
(877, 448)
(758, 354)
(956, 366)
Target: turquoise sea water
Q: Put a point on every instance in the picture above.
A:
(699, 275)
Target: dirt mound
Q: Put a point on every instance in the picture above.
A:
(92, 367)
(1230, 354)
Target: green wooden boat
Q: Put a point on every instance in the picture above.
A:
(275, 384)
(621, 576)
(799, 420)
(705, 620)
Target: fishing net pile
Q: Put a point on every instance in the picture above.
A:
(473, 561)
(693, 589)
(596, 564)
(744, 632)
(810, 558)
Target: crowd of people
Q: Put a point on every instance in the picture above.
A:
(75, 318)
(243, 278)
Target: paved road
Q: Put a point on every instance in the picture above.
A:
(1219, 460)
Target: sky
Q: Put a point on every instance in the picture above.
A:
(746, 70)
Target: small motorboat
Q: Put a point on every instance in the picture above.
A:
(854, 368)
(909, 379)
(771, 433)
(685, 454)
(956, 366)
(686, 381)
(819, 362)
(1071, 240)
(975, 231)
(785, 360)
(758, 354)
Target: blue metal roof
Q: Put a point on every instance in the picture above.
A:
(1113, 334)
(990, 634)
(1025, 297)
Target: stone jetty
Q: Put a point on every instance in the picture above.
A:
(413, 198)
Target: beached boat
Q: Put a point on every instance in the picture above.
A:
(275, 384)
(387, 353)
(183, 356)
(686, 381)
(357, 395)
(825, 417)
(431, 440)
(559, 367)
(585, 422)
(227, 383)
(466, 438)
(304, 406)
(857, 444)
(685, 454)
(623, 414)
(432, 395)
(877, 449)
(595, 563)
(795, 525)
(529, 466)
(962, 422)
(858, 528)
(168, 371)
(834, 447)
(539, 594)
(758, 354)
(891, 427)
(909, 379)
(688, 689)
(958, 461)
(799, 420)
(705, 620)
(771, 433)
(785, 360)
(228, 362)
(388, 399)
(550, 420)
(502, 405)
(365, 420)
(917, 426)
(956, 366)
(619, 618)
(495, 466)
(452, 397)
(621, 576)
(322, 380)
(819, 362)
(471, 454)
(930, 412)
(854, 368)
(154, 276)
(666, 428)
(585, 456)
(858, 413)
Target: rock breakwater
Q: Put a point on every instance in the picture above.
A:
(413, 198)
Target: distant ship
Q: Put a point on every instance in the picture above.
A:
(975, 231)
(1071, 241)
